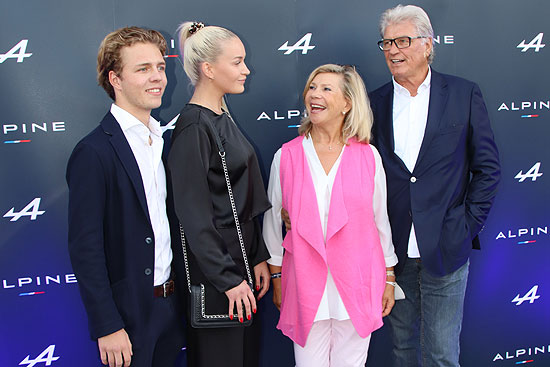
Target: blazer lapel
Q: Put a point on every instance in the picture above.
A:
(126, 156)
(438, 101)
(386, 118)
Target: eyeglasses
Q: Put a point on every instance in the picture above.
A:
(400, 42)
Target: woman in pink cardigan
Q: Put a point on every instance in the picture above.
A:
(332, 274)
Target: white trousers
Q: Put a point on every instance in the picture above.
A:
(332, 343)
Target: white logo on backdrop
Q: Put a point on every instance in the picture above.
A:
(303, 45)
(533, 173)
(20, 56)
(448, 39)
(46, 357)
(283, 115)
(523, 353)
(31, 210)
(530, 296)
(171, 125)
(535, 43)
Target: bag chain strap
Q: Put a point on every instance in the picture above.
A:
(235, 217)
(183, 244)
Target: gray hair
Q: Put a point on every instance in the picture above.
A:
(200, 45)
(409, 13)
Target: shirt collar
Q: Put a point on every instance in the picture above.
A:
(128, 121)
(399, 89)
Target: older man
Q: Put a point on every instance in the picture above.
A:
(442, 167)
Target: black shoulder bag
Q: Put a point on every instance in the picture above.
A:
(200, 318)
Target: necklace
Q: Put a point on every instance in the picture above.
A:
(330, 145)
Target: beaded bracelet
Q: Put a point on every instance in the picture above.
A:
(276, 275)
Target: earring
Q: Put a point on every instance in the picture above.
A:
(344, 113)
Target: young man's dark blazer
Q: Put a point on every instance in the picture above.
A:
(453, 184)
(111, 240)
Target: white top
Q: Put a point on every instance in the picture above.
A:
(148, 154)
(410, 115)
(331, 306)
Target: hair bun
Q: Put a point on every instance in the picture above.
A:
(195, 27)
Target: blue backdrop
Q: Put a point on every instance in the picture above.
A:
(50, 100)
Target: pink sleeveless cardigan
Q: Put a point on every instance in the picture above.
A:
(352, 251)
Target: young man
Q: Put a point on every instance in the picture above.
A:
(119, 233)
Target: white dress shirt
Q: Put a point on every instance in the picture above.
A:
(410, 115)
(331, 306)
(146, 144)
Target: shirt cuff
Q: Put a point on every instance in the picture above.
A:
(276, 260)
(391, 260)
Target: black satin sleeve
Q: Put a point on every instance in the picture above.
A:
(259, 251)
(201, 200)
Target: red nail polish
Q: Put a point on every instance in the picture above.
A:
(240, 319)
(257, 287)
(254, 310)
(230, 317)
(248, 317)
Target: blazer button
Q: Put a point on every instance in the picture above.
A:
(148, 240)
(148, 271)
(413, 179)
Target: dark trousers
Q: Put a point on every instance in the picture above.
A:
(164, 336)
(224, 347)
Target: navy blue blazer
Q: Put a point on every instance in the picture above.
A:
(453, 184)
(111, 240)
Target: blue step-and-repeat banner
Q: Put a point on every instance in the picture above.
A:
(50, 99)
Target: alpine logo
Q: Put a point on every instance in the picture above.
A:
(46, 357)
(533, 173)
(525, 354)
(30, 129)
(290, 117)
(12, 54)
(523, 236)
(31, 210)
(171, 125)
(172, 46)
(536, 43)
(530, 296)
(303, 45)
(528, 109)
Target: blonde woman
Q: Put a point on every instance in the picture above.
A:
(214, 61)
(336, 272)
